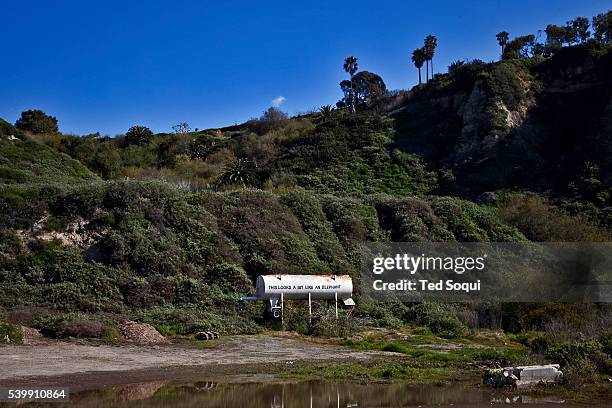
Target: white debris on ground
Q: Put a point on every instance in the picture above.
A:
(523, 375)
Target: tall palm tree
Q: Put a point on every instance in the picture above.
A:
(418, 58)
(431, 42)
(351, 67)
(502, 39)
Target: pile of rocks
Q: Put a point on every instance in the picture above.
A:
(141, 333)
(31, 336)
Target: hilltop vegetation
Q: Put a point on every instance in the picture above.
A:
(541, 125)
(25, 162)
(535, 124)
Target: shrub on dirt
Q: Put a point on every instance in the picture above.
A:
(83, 329)
(574, 353)
(539, 220)
(295, 317)
(53, 325)
(49, 325)
(469, 318)
(328, 326)
(10, 333)
(172, 320)
(582, 371)
(606, 342)
(441, 319)
(383, 315)
(536, 341)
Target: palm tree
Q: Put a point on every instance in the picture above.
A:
(431, 42)
(502, 39)
(351, 67)
(418, 58)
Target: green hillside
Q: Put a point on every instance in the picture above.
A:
(172, 229)
(6, 129)
(28, 162)
(536, 124)
(146, 247)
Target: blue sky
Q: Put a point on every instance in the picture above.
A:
(109, 65)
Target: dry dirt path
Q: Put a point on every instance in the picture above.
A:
(57, 359)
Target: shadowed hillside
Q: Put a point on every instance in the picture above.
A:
(543, 125)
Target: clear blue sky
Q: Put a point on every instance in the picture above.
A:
(106, 66)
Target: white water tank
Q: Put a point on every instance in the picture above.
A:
(297, 287)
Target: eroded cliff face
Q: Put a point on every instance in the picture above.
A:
(487, 121)
(535, 124)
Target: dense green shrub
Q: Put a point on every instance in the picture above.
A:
(442, 219)
(309, 211)
(539, 220)
(506, 81)
(6, 129)
(9, 333)
(582, 359)
(606, 342)
(83, 328)
(327, 325)
(440, 318)
(30, 162)
(354, 156)
(575, 353)
(190, 319)
(145, 245)
(379, 314)
(37, 122)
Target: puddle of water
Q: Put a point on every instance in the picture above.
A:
(328, 394)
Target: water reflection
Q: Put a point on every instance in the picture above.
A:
(308, 394)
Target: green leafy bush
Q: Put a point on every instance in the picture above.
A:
(440, 318)
(329, 326)
(606, 342)
(6, 129)
(10, 332)
(37, 121)
(30, 162)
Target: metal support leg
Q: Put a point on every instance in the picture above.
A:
(283, 311)
(336, 296)
(309, 308)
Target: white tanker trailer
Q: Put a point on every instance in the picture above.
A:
(275, 289)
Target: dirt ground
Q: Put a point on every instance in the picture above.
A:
(94, 365)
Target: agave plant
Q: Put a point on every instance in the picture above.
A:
(326, 111)
(240, 172)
